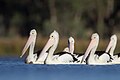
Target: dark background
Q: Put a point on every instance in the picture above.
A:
(77, 18)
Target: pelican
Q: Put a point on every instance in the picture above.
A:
(67, 50)
(32, 57)
(111, 48)
(90, 53)
(112, 45)
(71, 43)
(80, 55)
(31, 42)
(70, 48)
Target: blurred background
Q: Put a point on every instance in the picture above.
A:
(76, 18)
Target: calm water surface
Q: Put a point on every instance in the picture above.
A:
(15, 69)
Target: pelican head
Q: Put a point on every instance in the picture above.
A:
(33, 32)
(71, 40)
(30, 43)
(95, 36)
(92, 46)
(66, 49)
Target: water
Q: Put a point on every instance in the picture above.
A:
(16, 69)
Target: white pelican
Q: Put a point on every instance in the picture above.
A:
(70, 48)
(32, 57)
(111, 48)
(67, 50)
(71, 43)
(112, 45)
(90, 53)
(31, 42)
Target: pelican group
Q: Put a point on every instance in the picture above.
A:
(68, 56)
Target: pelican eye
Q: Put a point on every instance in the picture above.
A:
(112, 38)
(93, 37)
